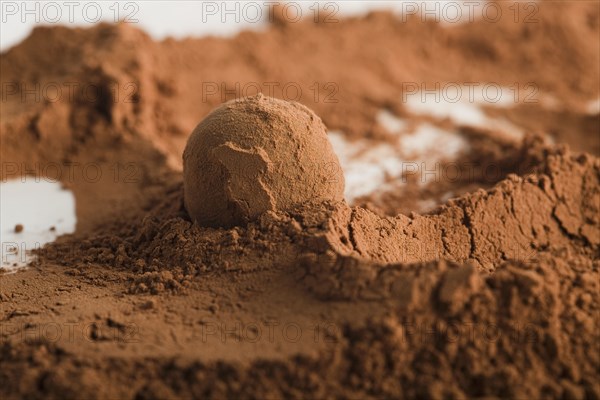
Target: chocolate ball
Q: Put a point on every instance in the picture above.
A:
(254, 155)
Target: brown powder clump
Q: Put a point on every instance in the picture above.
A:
(254, 155)
(493, 294)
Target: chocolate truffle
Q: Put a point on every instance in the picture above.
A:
(254, 155)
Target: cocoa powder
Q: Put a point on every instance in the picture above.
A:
(492, 293)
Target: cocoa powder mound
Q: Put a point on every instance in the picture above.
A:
(492, 293)
(462, 331)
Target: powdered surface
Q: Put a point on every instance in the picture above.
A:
(493, 292)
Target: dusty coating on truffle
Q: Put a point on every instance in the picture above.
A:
(254, 155)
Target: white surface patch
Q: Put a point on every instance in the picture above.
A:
(367, 164)
(466, 110)
(430, 140)
(391, 122)
(593, 107)
(38, 205)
